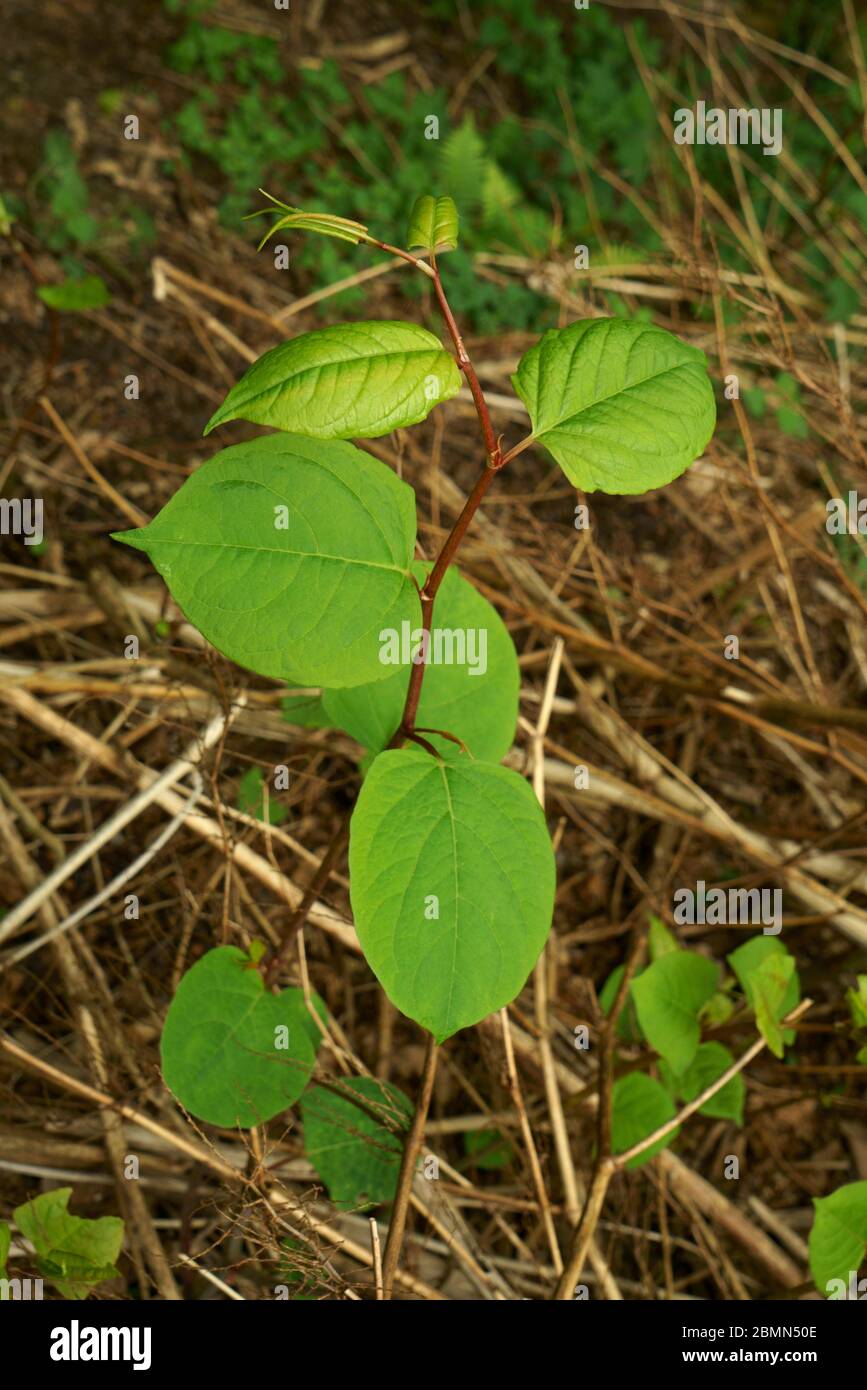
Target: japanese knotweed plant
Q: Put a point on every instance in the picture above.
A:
(295, 556)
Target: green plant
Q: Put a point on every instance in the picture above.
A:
(74, 1252)
(294, 555)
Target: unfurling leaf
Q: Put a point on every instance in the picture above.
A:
(296, 220)
(452, 885)
(622, 406)
(355, 380)
(433, 224)
(290, 555)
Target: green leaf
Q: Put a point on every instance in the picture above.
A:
(639, 1105)
(768, 977)
(5, 1242)
(433, 224)
(348, 381)
(306, 711)
(296, 220)
(838, 1240)
(462, 165)
(480, 708)
(232, 1053)
(290, 555)
(792, 423)
(661, 941)
(627, 1024)
(755, 400)
(73, 1251)
(356, 1157)
(452, 885)
(668, 997)
(251, 798)
(72, 295)
(488, 1149)
(622, 406)
(857, 1001)
(709, 1063)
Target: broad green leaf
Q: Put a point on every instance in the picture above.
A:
(452, 885)
(357, 1157)
(628, 1027)
(661, 941)
(639, 1105)
(348, 381)
(290, 555)
(470, 688)
(767, 975)
(838, 1240)
(622, 406)
(306, 711)
(668, 997)
(232, 1053)
(73, 1251)
(709, 1063)
(433, 224)
(74, 295)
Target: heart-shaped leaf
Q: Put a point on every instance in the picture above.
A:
(356, 1155)
(354, 380)
(290, 555)
(75, 1252)
(668, 996)
(232, 1053)
(433, 224)
(622, 406)
(838, 1240)
(470, 688)
(708, 1064)
(452, 876)
(639, 1105)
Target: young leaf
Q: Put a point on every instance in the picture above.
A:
(622, 406)
(709, 1063)
(349, 381)
(433, 224)
(290, 555)
(74, 295)
(668, 997)
(768, 977)
(356, 1157)
(233, 1054)
(639, 1105)
(627, 1024)
(477, 702)
(838, 1240)
(452, 885)
(661, 941)
(296, 220)
(73, 1251)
